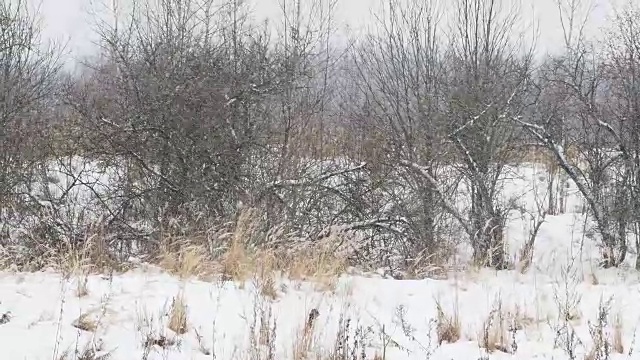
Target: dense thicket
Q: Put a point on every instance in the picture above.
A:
(396, 146)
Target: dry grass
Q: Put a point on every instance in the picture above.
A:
(436, 265)
(448, 326)
(262, 331)
(264, 266)
(605, 343)
(317, 262)
(82, 286)
(184, 259)
(86, 323)
(90, 256)
(153, 334)
(87, 256)
(520, 320)
(320, 265)
(240, 251)
(525, 258)
(304, 337)
(266, 283)
(618, 344)
(539, 155)
(238, 261)
(178, 315)
(494, 335)
(349, 344)
(90, 351)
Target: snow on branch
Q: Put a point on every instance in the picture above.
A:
(383, 223)
(321, 178)
(542, 134)
(449, 206)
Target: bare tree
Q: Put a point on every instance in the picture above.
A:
(176, 98)
(622, 109)
(488, 85)
(299, 107)
(585, 106)
(28, 80)
(398, 76)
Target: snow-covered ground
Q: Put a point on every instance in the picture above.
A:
(545, 313)
(128, 310)
(128, 314)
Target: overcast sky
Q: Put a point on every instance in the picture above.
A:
(69, 20)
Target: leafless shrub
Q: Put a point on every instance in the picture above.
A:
(598, 329)
(536, 219)
(568, 300)
(262, 331)
(28, 82)
(191, 112)
(350, 341)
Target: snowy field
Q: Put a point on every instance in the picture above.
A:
(563, 307)
(128, 316)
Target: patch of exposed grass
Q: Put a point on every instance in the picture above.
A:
(185, 260)
(494, 335)
(178, 315)
(86, 323)
(448, 326)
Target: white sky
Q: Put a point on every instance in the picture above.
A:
(69, 20)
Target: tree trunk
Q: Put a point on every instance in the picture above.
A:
(637, 235)
(552, 210)
(488, 237)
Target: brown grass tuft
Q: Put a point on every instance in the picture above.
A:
(239, 261)
(178, 315)
(185, 260)
(494, 335)
(318, 265)
(448, 327)
(153, 333)
(520, 320)
(268, 287)
(86, 323)
(244, 251)
(264, 274)
(243, 260)
(88, 256)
